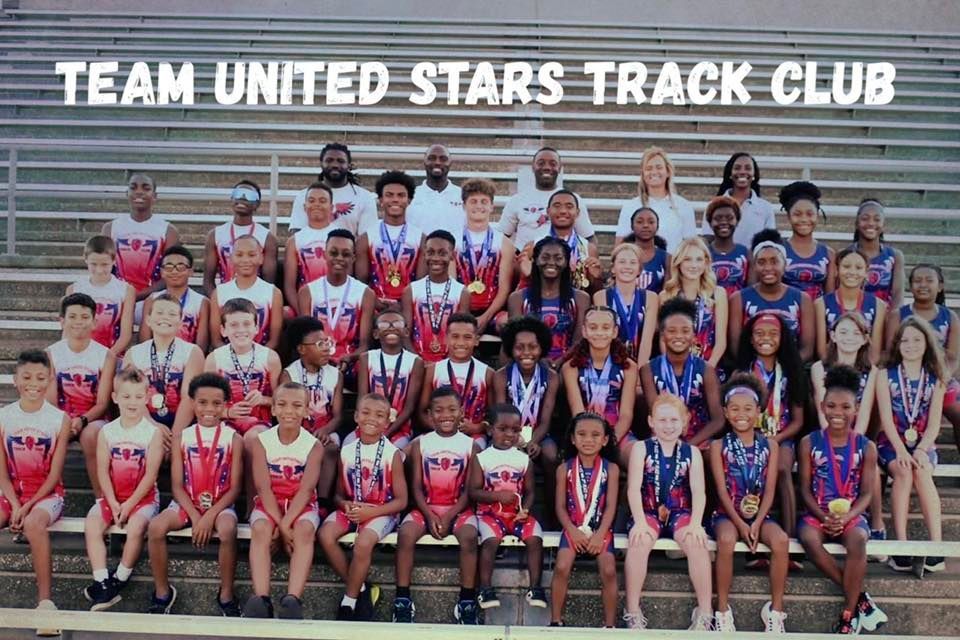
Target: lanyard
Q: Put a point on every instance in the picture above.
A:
(680, 388)
(662, 468)
(244, 375)
(334, 320)
(629, 321)
(435, 311)
(527, 397)
(358, 470)
(206, 462)
(587, 495)
(598, 385)
(749, 469)
(394, 247)
(775, 400)
(396, 376)
(477, 266)
(467, 382)
(844, 469)
(911, 406)
(161, 377)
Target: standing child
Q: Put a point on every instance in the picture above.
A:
(837, 476)
(744, 468)
(370, 496)
(307, 248)
(206, 464)
(586, 504)
(636, 307)
(885, 279)
(654, 260)
(811, 265)
(440, 462)
(129, 452)
(910, 398)
(176, 269)
(665, 489)
(730, 260)
(115, 298)
(83, 374)
(286, 466)
(503, 488)
(34, 435)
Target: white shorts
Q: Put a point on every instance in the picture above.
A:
(185, 519)
(52, 504)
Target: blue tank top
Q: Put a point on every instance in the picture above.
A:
(666, 380)
(737, 482)
(787, 307)
(654, 272)
(880, 273)
(823, 483)
(560, 321)
(630, 318)
(833, 308)
(941, 323)
(898, 406)
(677, 491)
(607, 404)
(731, 269)
(573, 481)
(807, 274)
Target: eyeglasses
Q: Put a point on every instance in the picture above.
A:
(175, 268)
(322, 343)
(396, 324)
(241, 193)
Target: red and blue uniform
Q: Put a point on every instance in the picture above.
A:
(128, 448)
(375, 480)
(445, 462)
(559, 318)
(738, 480)
(891, 375)
(485, 249)
(505, 470)
(833, 308)
(29, 441)
(654, 272)
(689, 386)
(630, 319)
(807, 274)
(880, 273)
(847, 459)
(606, 404)
(577, 512)
(140, 246)
(109, 298)
(732, 269)
(675, 493)
(205, 470)
(286, 465)
(787, 307)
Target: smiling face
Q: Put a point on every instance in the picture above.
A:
(626, 266)
(339, 255)
(394, 203)
(446, 414)
(372, 417)
(666, 422)
(599, 328)
(742, 172)
(839, 407)
(479, 207)
(505, 432)
(913, 344)
(239, 328)
(803, 217)
(693, 265)
(678, 333)
(77, 322)
(563, 211)
(723, 222)
(175, 271)
(848, 337)
(765, 338)
(742, 412)
(551, 261)
(319, 207)
(925, 285)
(290, 407)
(769, 264)
(462, 339)
(165, 318)
(438, 253)
(526, 350)
(31, 381)
(852, 271)
(870, 222)
(247, 257)
(546, 169)
(655, 173)
(141, 193)
(390, 329)
(436, 162)
(247, 204)
(208, 403)
(589, 437)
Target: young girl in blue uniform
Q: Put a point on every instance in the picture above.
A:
(810, 264)
(885, 277)
(850, 296)
(636, 307)
(730, 260)
(655, 265)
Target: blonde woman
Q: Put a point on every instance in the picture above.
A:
(692, 278)
(657, 191)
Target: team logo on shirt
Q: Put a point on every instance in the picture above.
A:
(505, 476)
(43, 445)
(341, 209)
(128, 454)
(445, 463)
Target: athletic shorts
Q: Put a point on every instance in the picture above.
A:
(719, 517)
(887, 454)
(52, 504)
(147, 508)
(466, 517)
(185, 518)
(491, 525)
(566, 543)
(628, 438)
(382, 525)
(952, 393)
(859, 522)
(679, 519)
(309, 514)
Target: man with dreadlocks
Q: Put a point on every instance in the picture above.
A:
(354, 208)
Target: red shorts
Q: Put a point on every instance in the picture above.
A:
(858, 522)
(466, 517)
(148, 508)
(491, 525)
(953, 392)
(52, 504)
(185, 518)
(382, 525)
(679, 519)
(310, 513)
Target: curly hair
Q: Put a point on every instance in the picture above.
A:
(520, 324)
(787, 355)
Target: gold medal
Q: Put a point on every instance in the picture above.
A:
(435, 346)
(839, 506)
(750, 505)
(157, 401)
(206, 500)
(394, 281)
(393, 414)
(663, 513)
(526, 433)
(911, 436)
(769, 425)
(476, 287)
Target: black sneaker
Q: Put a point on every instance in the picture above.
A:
(902, 564)
(933, 565)
(466, 612)
(537, 597)
(487, 598)
(848, 624)
(120, 584)
(870, 615)
(229, 609)
(367, 602)
(258, 607)
(290, 608)
(403, 610)
(346, 613)
(557, 624)
(103, 594)
(163, 605)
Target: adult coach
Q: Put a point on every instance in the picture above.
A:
(437, 203)
(354, 208)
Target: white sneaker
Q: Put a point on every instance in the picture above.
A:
(701, 621)
(47, 605)
(723, 621)
(635, 621)
(772, 619)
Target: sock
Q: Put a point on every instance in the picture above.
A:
(100, 575)
(123, 573)
(468, 594)
(348, 602)
(363, 587)
(403, 592)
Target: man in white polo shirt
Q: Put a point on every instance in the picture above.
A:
(437, 203)
(524, 217)
(354, 208)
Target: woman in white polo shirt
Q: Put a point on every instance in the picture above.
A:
(741, 181)
(657, 191)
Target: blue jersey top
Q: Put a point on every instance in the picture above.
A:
(559, 319)
(605, 400)
(892, 376)
(847, 458)
(942, 323)
(731, 269)
(833, 308)
(807, 274)
(689, 386)
(674, 477)
(741, 480)
(787, 307)
(572, 480)
(880, 273)
(654, 272)
(630, 318)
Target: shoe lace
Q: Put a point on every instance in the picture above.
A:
(775, 622)
(635, 620)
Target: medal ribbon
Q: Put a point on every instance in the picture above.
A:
(749, 470)
(911, 406)
(598, 385)
(161, 377)
(435, 322)
(394, 247)
(477, 266)
(358, 470)
(467, 382)
(244, 374)
(334, 320)
(846, 470)
(683, 387)
(629, 321)
(775, 400)
(661, 468)
(396, 377)
(587, 495)
(527, 397)
(206, 464)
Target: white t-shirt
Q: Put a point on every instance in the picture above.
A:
(756, 214)
(432, 210)
(677, 219)
(354, 208)
(524, 217)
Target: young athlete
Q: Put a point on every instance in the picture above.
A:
(394, 373)
(324, 385)
(484, 255)
(370, 496)
(655, 262)
(837, 471)
(390, 252)
(34, 434)
(115, 298)
(342, 303)
(811, 265)
(910, 395)
(528, 383)
(140, 237)
(502, 486)
(440, 463)
(428, 303)
(850, 296)
(129, 452)
(551, 297)
(168, 363)
(286, 466)
(266, 298)
(744, 467)
(563, 207)
(730, 260)
(771, 295)
(307, 247)
(633, 304)
(927, 287)
(666, 493)
(680, 372)
(83, 377)
(218, 251)
(176, 268)
(206, 463)
(886, 277)
(586, 505)
(599, 376)
(469, 377)
(741, 183)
